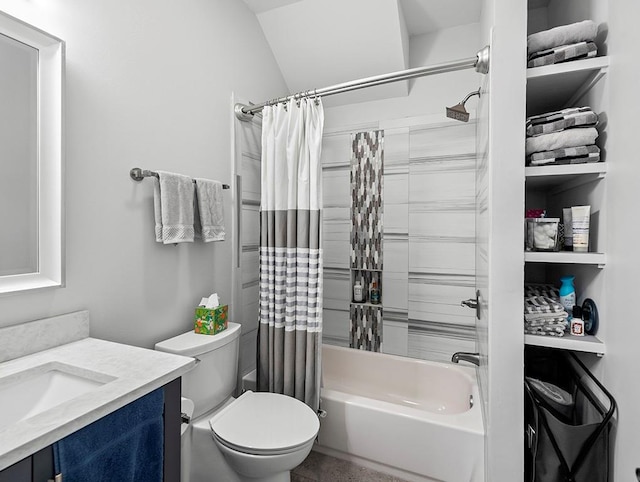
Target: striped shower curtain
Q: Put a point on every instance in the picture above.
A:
(290, 329)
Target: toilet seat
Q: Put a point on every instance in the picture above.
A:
(265, 424)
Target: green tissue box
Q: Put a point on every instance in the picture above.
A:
(209, 321)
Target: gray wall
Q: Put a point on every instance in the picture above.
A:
(149, 84)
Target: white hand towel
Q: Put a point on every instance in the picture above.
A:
(173, 203)
(584, 31)
(580, 136)
(211, 207)
(157, 209)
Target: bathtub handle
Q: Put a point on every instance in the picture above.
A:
(470, 303)
(473, 303)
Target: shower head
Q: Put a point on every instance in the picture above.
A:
(458, 112)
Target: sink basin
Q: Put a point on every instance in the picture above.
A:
(30, 392)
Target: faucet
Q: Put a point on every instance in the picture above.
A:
(469, 357)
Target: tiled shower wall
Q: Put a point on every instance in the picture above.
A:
(428, 235)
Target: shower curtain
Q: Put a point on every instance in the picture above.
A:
(290, 328)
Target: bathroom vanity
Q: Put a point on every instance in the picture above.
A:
(60, 380)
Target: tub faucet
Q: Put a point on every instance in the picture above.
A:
(469, 357)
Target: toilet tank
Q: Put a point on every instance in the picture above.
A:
(213, 380)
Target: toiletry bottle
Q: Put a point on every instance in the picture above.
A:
(357, 292)
(374, 297)
(568, 295)
(577, 323)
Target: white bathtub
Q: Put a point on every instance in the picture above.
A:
(406, 417)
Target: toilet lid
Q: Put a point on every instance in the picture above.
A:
(265, 423)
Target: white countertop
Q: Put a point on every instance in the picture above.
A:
(133, 372)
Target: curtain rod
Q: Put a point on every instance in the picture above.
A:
(480, 62)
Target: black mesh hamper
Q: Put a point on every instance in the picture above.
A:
(569, 421)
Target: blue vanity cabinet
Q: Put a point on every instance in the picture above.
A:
(39, 467)
(20, 472)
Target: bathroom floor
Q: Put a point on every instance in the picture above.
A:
(318, 467)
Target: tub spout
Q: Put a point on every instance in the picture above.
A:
(469, 357)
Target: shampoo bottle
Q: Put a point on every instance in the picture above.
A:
(568, 295)
(374, 295)
(357, 292)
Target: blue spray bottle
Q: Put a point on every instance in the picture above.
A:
(568, 295)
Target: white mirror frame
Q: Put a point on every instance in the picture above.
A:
(50, 157)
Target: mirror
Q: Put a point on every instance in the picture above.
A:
(31, 157)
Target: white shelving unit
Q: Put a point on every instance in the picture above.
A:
(565, 257)
(585, 344)
(550, 88)
(556, 179)
(554, 87)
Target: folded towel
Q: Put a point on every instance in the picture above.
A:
(563, 35)
(561, 120)
(581, 136)
(210, 207)
(173, 197)
(563, 53)
(540, 289)
(546, 319)
(542, 305)
(568, 155)
(126, 445)
(555, 115)
(157, 209)
(546, 326)
(555, 331)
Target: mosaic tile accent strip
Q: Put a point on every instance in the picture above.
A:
(366, 199)
(365, 327)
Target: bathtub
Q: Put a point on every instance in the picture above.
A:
(414, 419)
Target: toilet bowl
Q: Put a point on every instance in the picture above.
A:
(257, 437)
(264, 435)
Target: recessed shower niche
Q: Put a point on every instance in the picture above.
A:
(366, 177)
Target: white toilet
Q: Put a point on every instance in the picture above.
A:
(256, 437)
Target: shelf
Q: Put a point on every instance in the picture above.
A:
(553, 87)
(565, 257)
(565, 176)
(587, 343)
(373, 305)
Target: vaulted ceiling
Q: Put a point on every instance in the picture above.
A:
(318, 43)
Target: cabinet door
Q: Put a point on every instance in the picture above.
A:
(42, 465)
(18, 472)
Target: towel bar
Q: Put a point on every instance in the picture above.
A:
(138, 174)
